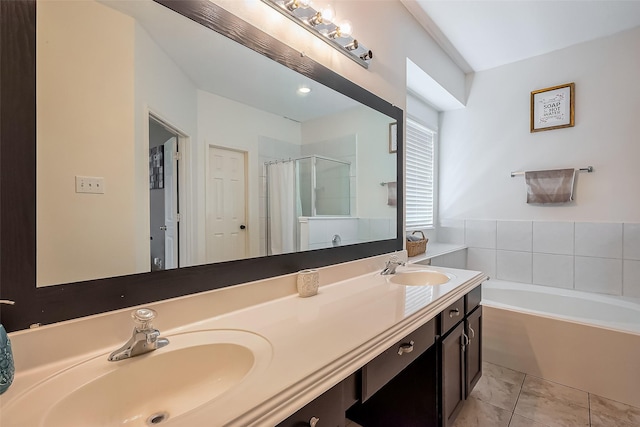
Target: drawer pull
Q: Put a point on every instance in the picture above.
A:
(454, 313)
(405, 348)
(313, 421)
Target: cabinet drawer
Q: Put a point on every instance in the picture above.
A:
(451, 315)
(387, 365)
(472, 299)
(327, 409)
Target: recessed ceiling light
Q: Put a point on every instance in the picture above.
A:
(304, 90)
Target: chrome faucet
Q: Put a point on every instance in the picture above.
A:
(391, 266)
(145, 337)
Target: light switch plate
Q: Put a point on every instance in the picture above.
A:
(90, 184)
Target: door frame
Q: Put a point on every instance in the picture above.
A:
(185, 191)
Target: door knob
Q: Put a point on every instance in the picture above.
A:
(242, 227)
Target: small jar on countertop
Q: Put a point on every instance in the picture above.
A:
(308, 281)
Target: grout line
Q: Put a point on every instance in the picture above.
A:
(520, 392)
(573, 285)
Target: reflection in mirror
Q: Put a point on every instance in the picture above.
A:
(203, 159)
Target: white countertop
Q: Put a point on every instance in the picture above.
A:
(435, 249)
(316, 342)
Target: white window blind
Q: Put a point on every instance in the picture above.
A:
(419, 176)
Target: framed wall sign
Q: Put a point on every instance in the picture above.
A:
(393, 137)
(553, 108)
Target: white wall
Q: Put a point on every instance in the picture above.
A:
(425, 114)
(374, 162)
(163, 89)
(481, 144)
(229, 124)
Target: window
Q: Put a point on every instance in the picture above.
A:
(419, 172)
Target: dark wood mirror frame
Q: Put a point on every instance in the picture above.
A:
(18, 185)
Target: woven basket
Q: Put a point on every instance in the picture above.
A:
(417, 248)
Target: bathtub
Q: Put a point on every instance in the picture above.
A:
(582, 340)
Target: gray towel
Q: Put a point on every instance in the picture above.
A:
(392, 193)
(550, 186)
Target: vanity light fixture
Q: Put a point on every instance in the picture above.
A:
(352, 46)
(322, 23)
(342, 30)
(292, 5)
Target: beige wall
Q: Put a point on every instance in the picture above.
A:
(70, 226)
(105, 246)
(384, 26)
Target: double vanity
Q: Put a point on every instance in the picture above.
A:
(375, 345)
(244, 349)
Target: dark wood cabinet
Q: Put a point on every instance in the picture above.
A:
(422, 380)
(452, 384)
(398, 386)
(325, 411)
(473, 351)
(451, 316)
(396, 358)
(460, 356)
(408, 400)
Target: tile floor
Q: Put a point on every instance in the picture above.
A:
(507, 398)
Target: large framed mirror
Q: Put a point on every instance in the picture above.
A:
(140, 164)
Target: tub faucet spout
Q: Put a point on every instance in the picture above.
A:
(145, 337)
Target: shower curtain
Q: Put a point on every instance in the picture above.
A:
(283, 204)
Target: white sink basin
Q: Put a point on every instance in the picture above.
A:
(194, 369)
(420, 278)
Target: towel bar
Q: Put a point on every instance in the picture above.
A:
(588, 169)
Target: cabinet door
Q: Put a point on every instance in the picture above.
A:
(324, 411)
(473, 353)
(452, 381)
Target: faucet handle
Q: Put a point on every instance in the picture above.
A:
(143, 317)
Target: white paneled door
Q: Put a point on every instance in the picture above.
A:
(226, 205)
(170, 204)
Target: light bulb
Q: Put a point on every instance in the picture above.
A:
(328, 14)
(344, 29)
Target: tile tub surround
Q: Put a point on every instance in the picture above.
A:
(308, 358)
(589, 256)
(507, 398)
